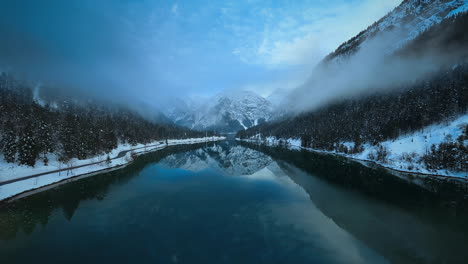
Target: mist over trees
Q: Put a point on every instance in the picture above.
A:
(29, 131)
(380, 116)
(382, 62)
(385, 114)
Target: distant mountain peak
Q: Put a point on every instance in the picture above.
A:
(228, 111)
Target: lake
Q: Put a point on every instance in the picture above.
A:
(229, 202)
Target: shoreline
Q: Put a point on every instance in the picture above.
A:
(123, 161)
(374, 163)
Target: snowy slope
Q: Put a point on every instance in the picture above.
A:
(409, 19)
(387, 36)
(225, 112)
(90, 167)
(404, 153)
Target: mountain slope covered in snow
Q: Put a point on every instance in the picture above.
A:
(225, 112)
(410, 19)
(422, 42)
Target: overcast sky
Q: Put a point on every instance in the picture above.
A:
(148, 49)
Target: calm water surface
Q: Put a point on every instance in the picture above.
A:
(231, 203)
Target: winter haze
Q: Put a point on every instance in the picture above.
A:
(147, 51)
(237, 131)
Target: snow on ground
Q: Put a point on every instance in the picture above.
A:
(9, 171)
(405, 152)
(416, 145)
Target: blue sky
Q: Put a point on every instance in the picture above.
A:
(155, 48)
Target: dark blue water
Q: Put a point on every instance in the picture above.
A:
(226, 203)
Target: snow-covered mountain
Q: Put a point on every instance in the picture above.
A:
(225, 112)
(410, 19)
(394, 94)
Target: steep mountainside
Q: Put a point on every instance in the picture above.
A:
(225, 112)
(410, 19)
(348, 123)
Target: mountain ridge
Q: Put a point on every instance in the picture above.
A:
(228, 111)
(364, 123)
(412, 17)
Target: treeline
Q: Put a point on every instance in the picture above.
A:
(29, 131)
(385, 115)
(377, 117)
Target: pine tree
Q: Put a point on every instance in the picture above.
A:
(28, 149)
(9, 145)
(44, 137)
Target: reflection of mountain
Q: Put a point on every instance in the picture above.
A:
(401, 221)
(231, 159)
(398, 220)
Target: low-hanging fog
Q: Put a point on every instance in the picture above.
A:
(377, 66)
(83, 46)
(145, 52)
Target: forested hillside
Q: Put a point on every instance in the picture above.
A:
(380, 116)
(30, 130)
(387, 114)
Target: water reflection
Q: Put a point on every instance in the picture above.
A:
(232, 203)
(227, 156)
(25, 214)
(402, 221)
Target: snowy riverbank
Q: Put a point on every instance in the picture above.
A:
(56, 172)
(404, 153)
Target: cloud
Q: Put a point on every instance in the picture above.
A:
(298, 51)
(82, 46)
(369, 70)
(304, 35)
(147, 49)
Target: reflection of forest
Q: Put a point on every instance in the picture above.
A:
(402, 221)
(377, 182)
(26, 213)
